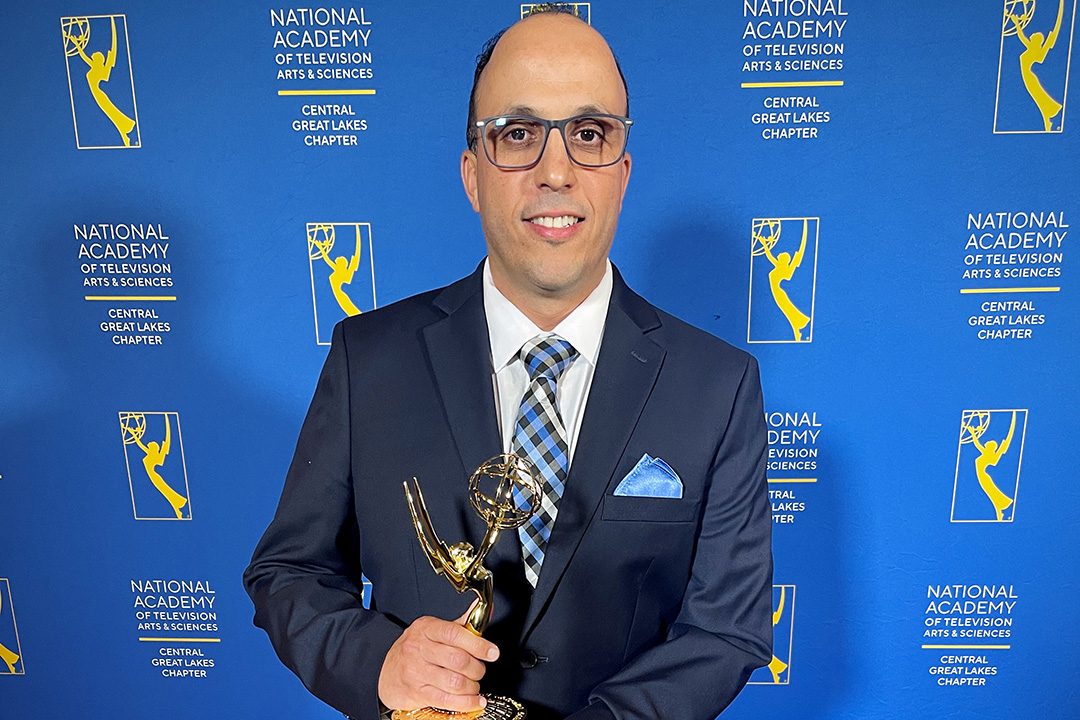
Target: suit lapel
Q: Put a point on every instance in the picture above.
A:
(626, 372)
(460, 361)
(460, 352)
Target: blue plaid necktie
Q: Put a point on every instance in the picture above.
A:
(540, 436)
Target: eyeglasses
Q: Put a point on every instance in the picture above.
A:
(514, 142)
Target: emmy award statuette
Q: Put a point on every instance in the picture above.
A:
(462, 564)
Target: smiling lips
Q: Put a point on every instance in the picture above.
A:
(557, 227)
(561, 221)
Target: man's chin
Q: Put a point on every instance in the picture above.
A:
(564, 282)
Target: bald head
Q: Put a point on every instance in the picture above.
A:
(550, 34)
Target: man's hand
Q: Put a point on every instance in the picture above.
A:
(435, 663)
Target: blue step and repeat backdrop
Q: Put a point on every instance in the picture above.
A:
(876, 199)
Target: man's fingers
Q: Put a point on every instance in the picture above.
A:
(434, 697)
(452, 633)
(450, 682)
(478, 647)
(455, 659)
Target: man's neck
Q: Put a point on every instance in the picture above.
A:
(545, 311)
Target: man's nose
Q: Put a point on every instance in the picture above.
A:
(555, 169)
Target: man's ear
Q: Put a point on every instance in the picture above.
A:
(468, 177)
(626, 164)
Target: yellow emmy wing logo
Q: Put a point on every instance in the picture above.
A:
(100, 82)
(335, 254)
(11, 662)
(778, 671)
(157, 472)
(988, 457)
(783, 279)
(1033, 66)
(582, 9)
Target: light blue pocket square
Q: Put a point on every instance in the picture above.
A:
(651, 477)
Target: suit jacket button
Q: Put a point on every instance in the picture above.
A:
(529, 659)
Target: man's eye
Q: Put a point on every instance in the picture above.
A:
(589, 132)
(516, 134)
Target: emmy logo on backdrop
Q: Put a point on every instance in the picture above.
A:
(986, 438)
(157, 465)
(332, 271)
(1033, 68)
(777, 672)
(775, 262)
(493, 497)
(10, 649)
(103, 107)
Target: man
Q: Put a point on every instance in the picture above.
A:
(644, 589)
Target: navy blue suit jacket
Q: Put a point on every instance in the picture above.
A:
(645, 607)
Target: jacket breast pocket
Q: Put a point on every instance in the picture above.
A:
(648, 509)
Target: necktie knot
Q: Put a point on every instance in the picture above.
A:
(547, 357)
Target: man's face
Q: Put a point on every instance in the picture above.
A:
(553, 67)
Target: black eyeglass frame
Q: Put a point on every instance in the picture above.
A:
(548, 125)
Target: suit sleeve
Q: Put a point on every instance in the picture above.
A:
(304, 576)
(724, 627)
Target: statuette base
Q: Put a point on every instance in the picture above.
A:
(498, 708)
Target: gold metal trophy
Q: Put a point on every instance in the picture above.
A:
(462, 565)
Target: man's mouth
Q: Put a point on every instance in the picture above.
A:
(562, 221)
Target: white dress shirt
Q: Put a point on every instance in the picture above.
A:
(509, 329)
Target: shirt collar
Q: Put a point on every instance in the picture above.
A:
(509, 328)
